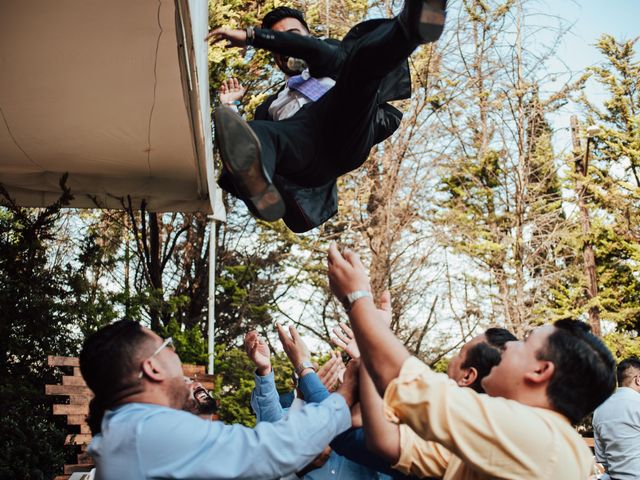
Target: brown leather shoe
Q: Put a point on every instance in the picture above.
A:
(423, 20)
(240, 151)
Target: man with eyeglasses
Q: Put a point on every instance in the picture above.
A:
(616, 425)
(141, 430)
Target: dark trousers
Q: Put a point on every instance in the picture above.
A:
(334, 135)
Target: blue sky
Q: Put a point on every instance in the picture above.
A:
(588, 20)
(592, 18)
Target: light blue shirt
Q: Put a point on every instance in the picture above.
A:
(145, 441)
(265, 402)
(616, 428)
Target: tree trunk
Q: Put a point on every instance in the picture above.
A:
(588, 255)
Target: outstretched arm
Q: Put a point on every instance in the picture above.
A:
(382, 437)
(383, 354)
(323, 57)
(265, 401)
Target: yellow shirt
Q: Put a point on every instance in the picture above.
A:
(487, 437)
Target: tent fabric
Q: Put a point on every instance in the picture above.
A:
(114, 93)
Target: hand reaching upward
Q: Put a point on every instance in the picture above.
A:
(293, 346)
(385, 307)
(331, 371)
(258, 352)
(234, 37)
(346, 272)
(349, 387)
(231, 91)
(345, 340)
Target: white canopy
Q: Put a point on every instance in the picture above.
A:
(113, 92)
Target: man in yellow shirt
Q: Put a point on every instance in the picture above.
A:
(554, 378)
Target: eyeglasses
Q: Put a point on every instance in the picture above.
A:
(167, 343)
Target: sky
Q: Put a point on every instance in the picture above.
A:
(588, 20)
(585, 21)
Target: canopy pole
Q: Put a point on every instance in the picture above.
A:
(211, 326)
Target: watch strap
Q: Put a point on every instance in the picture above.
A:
(351, 298)
(303, 366)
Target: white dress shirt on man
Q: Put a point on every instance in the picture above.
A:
(616, 428)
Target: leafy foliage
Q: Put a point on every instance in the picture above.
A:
(235, 382)
(614, 181)
(43, 305)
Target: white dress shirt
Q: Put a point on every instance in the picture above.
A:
(289, 101)
(616, 428)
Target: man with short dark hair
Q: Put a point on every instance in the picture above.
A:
(616, 425)
(394, 446)
(141, 431)
(477, 357)
(328, 117)
(552, 379)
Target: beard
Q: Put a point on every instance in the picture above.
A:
(180, 393)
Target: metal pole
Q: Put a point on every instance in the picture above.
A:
(211, 326)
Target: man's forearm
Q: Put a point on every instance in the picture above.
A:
(265, 401)
(382, 353)
(382, 437)
(312, 388)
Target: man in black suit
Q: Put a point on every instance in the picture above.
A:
(328, 117)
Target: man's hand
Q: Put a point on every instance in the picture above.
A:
(345, 340)
(293, 346)
(331, 371)
(234, 38)
(258, 352)
(230, 91)
(349, 387)
(346, 272)
(385, 307)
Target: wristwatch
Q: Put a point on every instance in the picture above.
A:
(303, 366)
(251, 35)
(350, 298)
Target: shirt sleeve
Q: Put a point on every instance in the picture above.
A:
(597, 443)
(353, 446)
(265, 400)
(419, 457)
(323, 57)
(176, 444)
(495, 435)
(313, 390)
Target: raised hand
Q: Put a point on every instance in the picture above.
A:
(349, 387)
(346, 272)
(385, 307)
(293, 346)
(231, 91)
(345, 340)
(234, 37)
(258, 352)
(331, 372)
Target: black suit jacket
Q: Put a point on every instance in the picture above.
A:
(309, 207)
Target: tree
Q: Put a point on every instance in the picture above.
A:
(501, 206)
(43, 306)
(613, 182)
